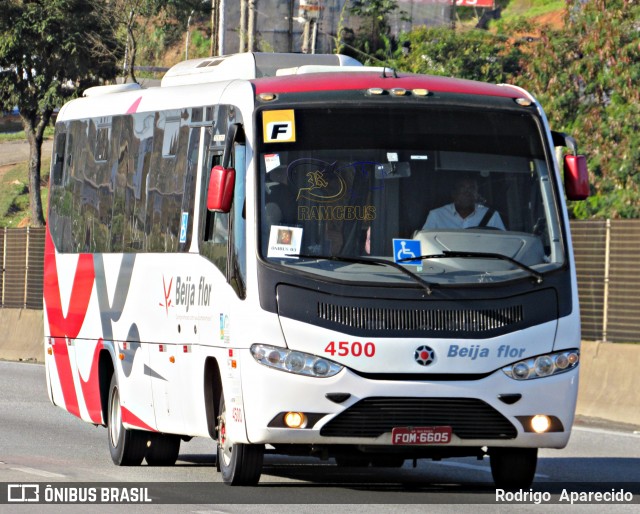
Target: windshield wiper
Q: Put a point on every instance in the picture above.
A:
(446, 254)
(369, 260)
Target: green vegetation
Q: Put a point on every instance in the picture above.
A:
(14, 193)
(531, 8)
(20, 135)
(46, 45)
(584, 74)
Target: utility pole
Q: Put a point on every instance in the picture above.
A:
(212, 48)
(251, 26)
(290, 19)
(221, 26)
(309, 12)
(243, 26)
(186, 46)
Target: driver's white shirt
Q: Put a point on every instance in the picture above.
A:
(447, 217)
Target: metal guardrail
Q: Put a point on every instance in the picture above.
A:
(606, 255)
(608, 279)
(22, 267)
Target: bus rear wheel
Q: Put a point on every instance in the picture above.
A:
(513, 468)
(240, 464)
(127, 447)
(163, 450)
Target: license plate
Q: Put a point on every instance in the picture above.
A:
(421, 435)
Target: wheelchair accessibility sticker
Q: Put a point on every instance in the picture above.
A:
(407, 249)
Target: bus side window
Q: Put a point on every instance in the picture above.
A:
(58, 159)
(215, 234)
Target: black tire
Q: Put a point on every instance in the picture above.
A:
(127, 447)
(240, 464)
(513, 468)
(163, 450)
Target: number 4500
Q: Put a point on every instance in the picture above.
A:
(355, 348)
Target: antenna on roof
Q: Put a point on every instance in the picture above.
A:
(384, 73)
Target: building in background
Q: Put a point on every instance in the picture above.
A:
(311, 25)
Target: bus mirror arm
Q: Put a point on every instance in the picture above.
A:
(235, 134)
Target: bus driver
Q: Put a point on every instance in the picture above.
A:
(465, 211)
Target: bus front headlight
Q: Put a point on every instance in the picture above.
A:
(293, 361)
(543, 365)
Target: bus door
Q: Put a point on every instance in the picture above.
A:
(172, 359)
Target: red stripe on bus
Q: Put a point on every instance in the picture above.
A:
(134, 106)
(130, 418)
(61, 326)
(362, 80)
(91, 388)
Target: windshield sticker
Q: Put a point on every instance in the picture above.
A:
(184, 223)
(333, 190)
(419, 157)
(279, 126)
(271, 161)
(392, 156)
(407, 249)
(284, 241)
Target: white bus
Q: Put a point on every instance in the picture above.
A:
(251, 253)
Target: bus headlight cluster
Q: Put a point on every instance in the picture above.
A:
(294, 362)
(543, 365)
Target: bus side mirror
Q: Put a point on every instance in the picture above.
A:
(221, 183)
(576, 177)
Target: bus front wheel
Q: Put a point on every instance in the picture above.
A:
(513, 468)
(240, 464)
(127, 447)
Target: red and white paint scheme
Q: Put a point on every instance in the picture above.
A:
(299, 253)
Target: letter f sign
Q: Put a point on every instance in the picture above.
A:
(279, 126)
(279, 131)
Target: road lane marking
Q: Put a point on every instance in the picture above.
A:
(39, 472)
(607, 432)
(486, 469)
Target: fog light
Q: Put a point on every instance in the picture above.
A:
(540, 423)
(295, 419)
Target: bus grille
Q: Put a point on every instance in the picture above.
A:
(463, 320)
(469, 418)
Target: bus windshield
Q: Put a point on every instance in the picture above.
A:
(454, 195)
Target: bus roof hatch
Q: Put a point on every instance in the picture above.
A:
(249, 65)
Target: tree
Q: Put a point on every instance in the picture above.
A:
(373, 37)
(50, 51)
(586, 77)
(134, 19)
(473, 54)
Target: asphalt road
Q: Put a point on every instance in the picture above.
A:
(42, 444)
